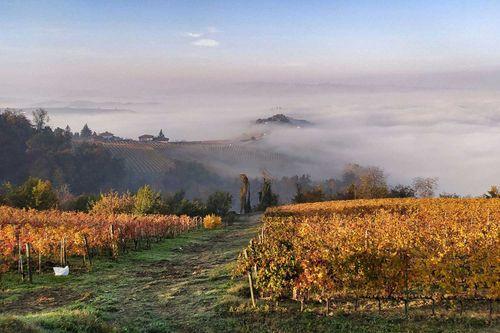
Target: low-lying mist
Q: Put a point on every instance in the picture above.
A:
(445, 133)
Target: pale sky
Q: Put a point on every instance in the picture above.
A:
(69, 45)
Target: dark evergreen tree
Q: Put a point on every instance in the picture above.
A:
(85, 132)
(248, 205)
(266, 197)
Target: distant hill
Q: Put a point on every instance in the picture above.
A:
(281, 119)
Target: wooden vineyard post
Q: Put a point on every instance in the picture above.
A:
(21, 263)
(379, 301)
(433, 307)
(114, 246)
(61, 253)
(87, 251)
(250, 280)
(28, 262)
(39, 262)
(63, 258)
(254, 266)
(406, 286)
(123, 242)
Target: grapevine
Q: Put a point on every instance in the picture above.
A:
(388, 248)
(46, 230)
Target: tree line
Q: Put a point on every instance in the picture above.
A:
(34, 149)
(355, 182)
(360, 182)
(39, 194)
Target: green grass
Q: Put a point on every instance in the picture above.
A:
(184, 285)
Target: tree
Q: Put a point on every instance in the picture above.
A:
(67, 131)
(219, 203)
(50, 154)
(360, 182)
(15, 131)
(114, 203)
(147, 201)
(82, 203)
(494, 192)
(85, 132)
(40, 119)
(172, 203)
(315, 194)
(425, 187)
(244, 194)
(349, 193)
(33, 193)
(160, 135)
(248, 204)
(402, 191)
(372, 183)
(266, 196)
(91, 168)
(43, 195)
(191, 208)
(64, 195)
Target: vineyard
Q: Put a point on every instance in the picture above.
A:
(55, 236)
(149, 158)
(140, 158)
(389, 249)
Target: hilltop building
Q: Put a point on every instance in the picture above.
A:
(146, 138)
(106, 136)
(149, 137)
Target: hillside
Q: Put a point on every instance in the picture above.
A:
(221, 157)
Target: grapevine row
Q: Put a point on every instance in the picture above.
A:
(81, 234)
(389, 248)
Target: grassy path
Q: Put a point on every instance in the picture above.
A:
(176, 286)
(182, 285)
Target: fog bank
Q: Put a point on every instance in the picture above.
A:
(450, 133)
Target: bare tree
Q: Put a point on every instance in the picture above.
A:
(494, 192)
(40, 118)
(373, 183)
(425, 187)
(364, 182)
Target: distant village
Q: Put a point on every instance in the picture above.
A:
(87, 134)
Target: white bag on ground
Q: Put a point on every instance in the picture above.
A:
(60, 271)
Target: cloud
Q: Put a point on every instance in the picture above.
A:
(193, 34)
(205, 42)
(207, 31)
